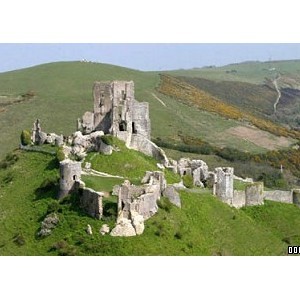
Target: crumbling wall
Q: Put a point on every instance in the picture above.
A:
(296, 196)
(91, 202)
(254, 194)
(102, 94)
(141, 199)
(239, 199)
(279, 196)
(223, 186)
(140, 119)
(38, 137)
(196, 167)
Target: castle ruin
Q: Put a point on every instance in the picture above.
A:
(116, 112)
(223, 186)
(70, 174)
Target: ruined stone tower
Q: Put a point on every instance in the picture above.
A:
(70, 175)
(116, 112)
(223, 186)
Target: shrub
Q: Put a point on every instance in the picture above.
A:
(8, 178)
(188, 181)
(19, 239)
(28, 95)
(25, 137)
(164, 203)
(178, 235)
(9, 160)
(53, 206)
(60, 156)
(274, 179)
(107, 139)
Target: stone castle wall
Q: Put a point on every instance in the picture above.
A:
(91, 202)
(279, 196)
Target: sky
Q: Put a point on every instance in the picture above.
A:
(144, 56)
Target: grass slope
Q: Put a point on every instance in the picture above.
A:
(179, 89)
(252, 72)
(63, 92)
(204, 225)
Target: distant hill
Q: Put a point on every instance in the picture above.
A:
(250, 86)
(252, 72)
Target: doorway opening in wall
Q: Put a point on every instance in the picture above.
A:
(123, 126)
(134, 128)
(74, 177)
(123, 95)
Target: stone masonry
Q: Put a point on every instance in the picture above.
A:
(91, 202)
(116, 112)
(70, 175)
(223, 186)
(254, 193)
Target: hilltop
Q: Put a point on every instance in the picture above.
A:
(203, 226)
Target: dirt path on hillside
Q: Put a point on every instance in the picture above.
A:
(100, 174)
(260, 138)
(278, 92)
(162, 102)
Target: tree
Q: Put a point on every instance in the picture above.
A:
(25, 137)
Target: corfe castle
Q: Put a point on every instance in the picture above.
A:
(118, 113)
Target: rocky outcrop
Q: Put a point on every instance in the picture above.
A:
(48, 225)
(138, 223)
(124, 227)
(89, 230)
(104, 229)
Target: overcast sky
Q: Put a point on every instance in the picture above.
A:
(144, 56)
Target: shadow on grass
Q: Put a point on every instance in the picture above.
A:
(48, 189)
(52, 165)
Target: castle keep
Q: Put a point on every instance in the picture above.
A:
(116, 112)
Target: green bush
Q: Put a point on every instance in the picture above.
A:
(53, 206)
(273, 180)
(8, 178)
(25, 137)
(188, 181)
(164, 203)
(60, 154)
(107, 139)
(9, 160)
(19, 239)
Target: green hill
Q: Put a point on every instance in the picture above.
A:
(203, 226)
(59, 93)
(254, 72)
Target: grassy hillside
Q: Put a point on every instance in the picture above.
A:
(253, 72)
(204, 225)
(191, 95)
(247, 96)
(59, 93)
(63, 92)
